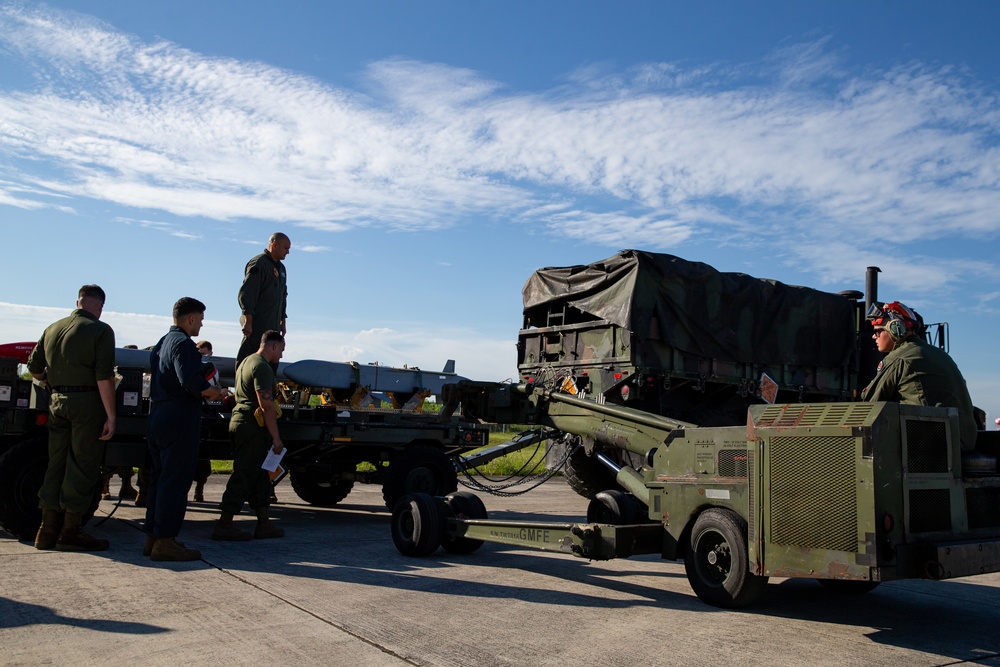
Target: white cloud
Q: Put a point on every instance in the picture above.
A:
(795, 150)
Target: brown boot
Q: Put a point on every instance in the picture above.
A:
(225, 531)
(140, 498)
(265, 528)
(73, 539)
(147, 546)
(167, 548)
(48, 532)
(199, 492)
(106, 486)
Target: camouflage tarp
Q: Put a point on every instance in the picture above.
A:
(696, 309)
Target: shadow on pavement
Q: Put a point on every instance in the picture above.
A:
(15, 614)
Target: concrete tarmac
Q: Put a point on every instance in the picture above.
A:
(334, 591)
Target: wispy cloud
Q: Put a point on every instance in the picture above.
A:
(794, 150)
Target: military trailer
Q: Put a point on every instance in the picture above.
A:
(329, 447)
(848, 494)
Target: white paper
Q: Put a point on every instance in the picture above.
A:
(272, 460)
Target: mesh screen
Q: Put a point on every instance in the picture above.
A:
(813, 498)
(930, 510)
(732, 463)
(984, 508)
(926, 445)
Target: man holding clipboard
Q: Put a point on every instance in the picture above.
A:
(253, 430)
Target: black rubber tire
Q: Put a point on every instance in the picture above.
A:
(22, 469)
(617, 508)
(588, 476)
(463, 505)
(418, 469)
(319, 492)
(848, 586)
(417, 525)
(716, 561)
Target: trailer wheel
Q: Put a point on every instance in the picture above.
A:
(848, 586)
(418, 469)
(417, 525)
(22, 469)
(463, 505)
(617, 508)
(316, 491)
(716, 561)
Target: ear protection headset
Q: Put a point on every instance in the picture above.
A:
(896, 328)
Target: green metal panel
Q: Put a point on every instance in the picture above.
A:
(812, 490)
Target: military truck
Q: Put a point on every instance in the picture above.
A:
(849, 494)
(329, 447)
(680, 339)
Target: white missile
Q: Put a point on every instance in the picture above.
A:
(344, 375)
(325, 374)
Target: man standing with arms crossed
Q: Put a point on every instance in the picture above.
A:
(263, 295)
(173, 432)
(76, 357)
(252, 439)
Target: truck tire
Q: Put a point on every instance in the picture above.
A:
(319, 492)
(716, 561)
(588, 477)
(22, 469)
(616, 508)
(417, 525)
(418, 469)
(463, 505)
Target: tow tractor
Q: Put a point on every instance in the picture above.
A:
(848, 494)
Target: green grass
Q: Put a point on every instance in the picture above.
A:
(527, 461)
(511, 464)
(222, 467)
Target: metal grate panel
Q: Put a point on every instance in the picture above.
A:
(813, 498)
(926, 445)
(752, 528)
(826, 414)
(732, 463)
(983, 506)
(930, 510)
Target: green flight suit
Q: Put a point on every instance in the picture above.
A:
(263, 294)
(921, 374)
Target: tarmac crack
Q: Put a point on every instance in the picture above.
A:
(321, 619)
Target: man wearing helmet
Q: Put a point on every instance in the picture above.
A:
(915, 372)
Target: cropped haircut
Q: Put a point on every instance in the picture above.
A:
(188, 306)
(271, 336)
(93, 292)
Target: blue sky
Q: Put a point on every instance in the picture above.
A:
(426, 157)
